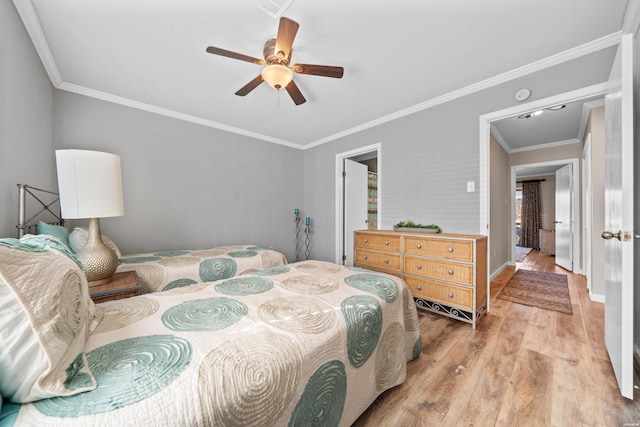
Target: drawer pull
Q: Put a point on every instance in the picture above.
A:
(450, 272)
(364, 257)
(386, 243)
(419, 267)
(366, 241)
(450, 295)
(419, 287)
(450, 249)
(419, 246)
(386, 261)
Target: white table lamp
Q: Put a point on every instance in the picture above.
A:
(90, 186)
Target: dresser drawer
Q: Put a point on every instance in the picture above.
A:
(381, 260)
(440, 270)
(440, 292)
(380, 242)
(457, 250)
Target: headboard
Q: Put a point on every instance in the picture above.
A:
(26, 194)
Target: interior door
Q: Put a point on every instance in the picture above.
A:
(356, 184)
(618, 199)
(564, 225)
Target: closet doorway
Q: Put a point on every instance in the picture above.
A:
(358, 202)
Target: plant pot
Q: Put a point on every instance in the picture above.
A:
(419, 230)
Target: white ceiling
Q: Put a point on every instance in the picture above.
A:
(398, 57)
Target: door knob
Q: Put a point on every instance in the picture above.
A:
(626, 236)
(609, 235)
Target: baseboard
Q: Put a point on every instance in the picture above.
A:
(499, 270)
(596, 297)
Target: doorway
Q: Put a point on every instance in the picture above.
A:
(545, 173)
(597, 90)
(349, 215)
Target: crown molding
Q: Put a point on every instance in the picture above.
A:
(584, 117)
(548, 145)
(81, 90)
(498, 136)
(559, 58)
(34, 29)
(631, 19)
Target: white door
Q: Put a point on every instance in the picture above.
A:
(618, 199)
(356, 192)
(564, 225)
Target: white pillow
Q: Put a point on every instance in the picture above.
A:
(46, 315)
(78, 238)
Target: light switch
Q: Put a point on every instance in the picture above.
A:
(471, 186)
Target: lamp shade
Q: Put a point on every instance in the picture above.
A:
(90, 184)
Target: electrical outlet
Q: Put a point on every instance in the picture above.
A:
(471, 186)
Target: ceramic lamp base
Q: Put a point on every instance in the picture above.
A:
(98, 260)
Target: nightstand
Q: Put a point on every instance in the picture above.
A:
(122, 285)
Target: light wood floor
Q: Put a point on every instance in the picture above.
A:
(523, 366)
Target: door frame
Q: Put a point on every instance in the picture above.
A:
(485, 144)
(373, 148)
(575, 206)
(587, 211)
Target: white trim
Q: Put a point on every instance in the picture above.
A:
(596, 297)
(533, 175)
(485, 127)
(34, 28)
(547, 145)
(377, 147)
(584, 116)
(81, 90)
(498, 136)
(559, 58)
(587, 211)
(631, 19)
(499, 270)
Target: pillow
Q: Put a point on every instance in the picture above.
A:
(57, 231)
(46, 315)
(78, 238)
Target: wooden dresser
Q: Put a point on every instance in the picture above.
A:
(447, 273)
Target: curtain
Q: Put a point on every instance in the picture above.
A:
(530, 215)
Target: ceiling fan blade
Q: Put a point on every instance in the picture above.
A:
(295, 93)
(287, 30)
(319, 70)
(250, 86)
(234, 55)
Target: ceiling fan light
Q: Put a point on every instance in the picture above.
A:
(277, 76)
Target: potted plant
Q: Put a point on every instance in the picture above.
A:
(412, 226)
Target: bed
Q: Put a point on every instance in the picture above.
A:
(156, 271)
(308, 343)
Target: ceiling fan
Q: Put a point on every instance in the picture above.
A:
(277, 55)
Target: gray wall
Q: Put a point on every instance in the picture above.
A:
(596, 127)
(500, 207)
(428, 157)
(186, 185)
(26, 153)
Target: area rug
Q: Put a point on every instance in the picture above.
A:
(538, 289)
(521, 253)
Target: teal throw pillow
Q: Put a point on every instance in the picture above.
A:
(57, 231)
